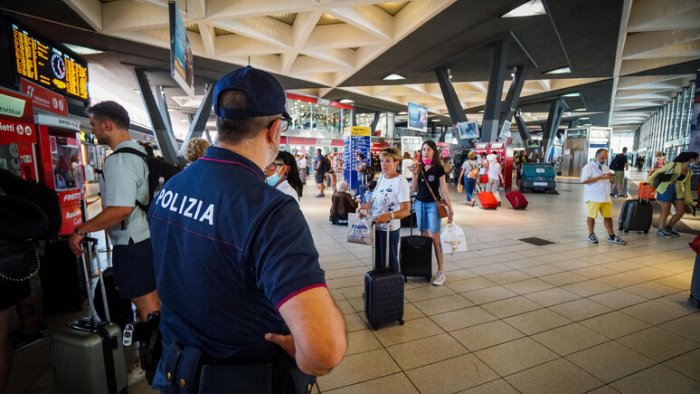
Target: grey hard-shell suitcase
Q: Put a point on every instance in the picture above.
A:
(636, 215)
(384, 293)
(88, 356)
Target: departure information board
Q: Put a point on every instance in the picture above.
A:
(48, 65)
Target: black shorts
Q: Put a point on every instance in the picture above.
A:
(12, 293)
(133, 269)
(320, 177)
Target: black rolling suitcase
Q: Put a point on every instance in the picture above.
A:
(62, 285)
(636, 215)
(383, 293)
(88, 356)
(416, 255)
(120, 309)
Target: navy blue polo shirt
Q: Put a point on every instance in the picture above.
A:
(229, 250)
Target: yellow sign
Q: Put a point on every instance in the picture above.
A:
(360, 131)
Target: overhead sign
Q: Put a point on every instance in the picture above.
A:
(15, 106)
(49, 65)
(417, 117)
(360, 131)
(181, 59)
(43, 98)
(12, 132)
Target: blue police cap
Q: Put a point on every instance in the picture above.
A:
(263, 93)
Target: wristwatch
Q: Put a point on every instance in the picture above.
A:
(82, 234)
(391, 214)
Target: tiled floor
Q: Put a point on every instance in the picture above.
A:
(512, 317)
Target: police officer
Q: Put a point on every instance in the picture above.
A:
(235, 262)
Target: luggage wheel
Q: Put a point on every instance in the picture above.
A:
(627, 231)
(375, 326)
(401, 322)
(646, 231)
(428, 278)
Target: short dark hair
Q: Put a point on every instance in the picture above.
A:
(600, 150)
(684, 157)
(110, 110)
(237, 130)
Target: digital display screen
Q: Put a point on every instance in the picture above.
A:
(48, 65)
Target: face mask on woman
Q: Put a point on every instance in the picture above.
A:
(426, 162)
(273, 179)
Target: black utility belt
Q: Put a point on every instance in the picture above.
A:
(188, 371)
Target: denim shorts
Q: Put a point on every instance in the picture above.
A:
(669, 195)
(427, 216)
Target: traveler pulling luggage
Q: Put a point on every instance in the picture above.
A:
(636, 215)
(383, 291)
(486, 199)
(416, 253)
(87, 354)
(516, 199)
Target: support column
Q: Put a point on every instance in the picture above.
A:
(199, 121)
(454, 107)
(553, 120)
(522, 128)
(512, 97)
(375, 122)
(492, 110)
(161, 127)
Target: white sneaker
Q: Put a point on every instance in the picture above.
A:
(136, 374)
(439, 279)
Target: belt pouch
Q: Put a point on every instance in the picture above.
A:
(230, 379)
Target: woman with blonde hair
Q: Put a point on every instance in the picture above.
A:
(390, 202)
(195, 149)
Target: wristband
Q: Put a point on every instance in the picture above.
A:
(82, 234)
(391, 214)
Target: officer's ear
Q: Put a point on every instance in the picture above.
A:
(273, 133)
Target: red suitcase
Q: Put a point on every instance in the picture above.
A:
(487, 200)
(516, 199)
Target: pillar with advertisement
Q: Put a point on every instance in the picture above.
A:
(357, 142)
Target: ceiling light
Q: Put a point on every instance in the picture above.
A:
(579, 109)
(347, 101)
(393, 77)
(574, 94)
(585, 117)
(530, 8)
(402, 113)
(81, 50)
(560, 70)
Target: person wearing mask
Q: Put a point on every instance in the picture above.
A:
(468, 174)
(195, 149)
(236, 265)
(674, 189)
(597, 180)
(429, 184)
(390, 202)
(495, 174)
(283, 174)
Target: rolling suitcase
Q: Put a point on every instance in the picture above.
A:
(88, 356)
(62, 286)
(416, 254)
(119, 308)
(636, 215)
(383, 293)
(516, 199)
(487, 200)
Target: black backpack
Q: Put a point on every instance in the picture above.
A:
(369, 171)
(618, 163)
(38, 194)
(325, 165)
(159, 171)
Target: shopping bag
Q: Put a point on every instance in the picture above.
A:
(452, 239)
(360, 232)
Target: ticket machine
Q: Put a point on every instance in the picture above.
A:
(61, 165)
(18, 137)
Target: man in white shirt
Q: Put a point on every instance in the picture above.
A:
(597, 178)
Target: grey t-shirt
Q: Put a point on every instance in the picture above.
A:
(124, 180)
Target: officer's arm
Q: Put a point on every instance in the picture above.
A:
(317, 339)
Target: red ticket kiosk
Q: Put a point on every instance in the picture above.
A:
(61, 165)
(18, 135)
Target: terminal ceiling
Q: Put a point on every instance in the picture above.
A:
(626, 57)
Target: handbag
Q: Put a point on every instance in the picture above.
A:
(665, 177)
(441, 204)
(695, 244)
(18, 260)
(360, 232)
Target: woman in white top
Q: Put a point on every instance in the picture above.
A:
(407, 166)
(283, 174)
(495, 174)
(391, 201)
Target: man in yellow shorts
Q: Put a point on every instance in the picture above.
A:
(597, 178)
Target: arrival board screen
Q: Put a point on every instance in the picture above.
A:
(49, 66)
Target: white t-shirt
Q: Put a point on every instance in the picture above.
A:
(286, 188)
(494, 170)
(388, 196)
(301, 163)
(596, 191)
(406, 165)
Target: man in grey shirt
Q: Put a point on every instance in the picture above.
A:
(124, 181)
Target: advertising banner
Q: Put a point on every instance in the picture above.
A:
(417, 117)
(181, 68)
(468, 130)
(694, 144)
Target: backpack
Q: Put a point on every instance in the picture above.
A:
(38, 194)
(618, 163)
(369, 171)
(325, 165)
(159, 171)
